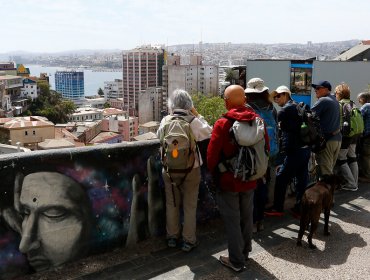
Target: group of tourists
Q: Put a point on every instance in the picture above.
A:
(255, 151)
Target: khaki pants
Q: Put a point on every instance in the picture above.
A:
(187, 196)
(327, 158)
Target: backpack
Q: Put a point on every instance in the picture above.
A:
(310, 131)
(178, 144)
(251, 161)
(272, 130)
(352, 122)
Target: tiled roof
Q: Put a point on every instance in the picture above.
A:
(24, 122)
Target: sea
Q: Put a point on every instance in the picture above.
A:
(93, 79)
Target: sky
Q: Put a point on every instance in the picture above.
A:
(63, 25)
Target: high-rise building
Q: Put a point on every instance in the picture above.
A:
(70, 84)
(192, 78)
(142, 68)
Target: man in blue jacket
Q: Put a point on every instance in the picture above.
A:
(327, 108)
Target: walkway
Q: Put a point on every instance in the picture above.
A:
(343, 255)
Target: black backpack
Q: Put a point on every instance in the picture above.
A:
(310, 132)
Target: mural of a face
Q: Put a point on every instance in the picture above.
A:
(56, 219)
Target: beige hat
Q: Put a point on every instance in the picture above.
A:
(255, 85)
(281, 89)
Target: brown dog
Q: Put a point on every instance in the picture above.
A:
(317, 198)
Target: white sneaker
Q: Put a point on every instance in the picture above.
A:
(347, 188)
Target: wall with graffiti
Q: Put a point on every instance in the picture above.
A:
(60, 206)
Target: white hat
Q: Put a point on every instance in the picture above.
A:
(255, 85)
(281, 89)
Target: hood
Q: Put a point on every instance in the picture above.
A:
(241, 114)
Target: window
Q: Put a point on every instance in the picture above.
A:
(301, 78)
(26, 133)
(34, 132)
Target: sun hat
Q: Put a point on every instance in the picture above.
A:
(255, 85)
(281, 89)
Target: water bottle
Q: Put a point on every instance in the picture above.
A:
(305, 133)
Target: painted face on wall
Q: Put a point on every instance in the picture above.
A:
(56, 219)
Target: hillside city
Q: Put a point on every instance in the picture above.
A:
(130, 108)
(212, 53)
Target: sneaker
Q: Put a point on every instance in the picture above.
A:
(187, 246)
(226, 262)
(347, 188)
(172, 242)
(273, 212)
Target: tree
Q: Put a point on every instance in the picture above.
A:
(51, 105)
(100, 92)
(231, 76)
(211, 108)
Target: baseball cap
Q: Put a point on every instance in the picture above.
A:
(324, 84)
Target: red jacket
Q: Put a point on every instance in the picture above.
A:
(222, 144)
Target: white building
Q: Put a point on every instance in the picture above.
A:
(113, 89)
(29, 89)
(86, 114)
(192, 78)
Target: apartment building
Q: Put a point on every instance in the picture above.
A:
(128, 127)
(70, 84)
(192, 78)
(29, 89)
(113, 89)
(84, 114)
(150, 105)
(8, 68)
(142, 68)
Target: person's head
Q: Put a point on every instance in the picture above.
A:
(363, 97)
(234, 97)
(322, 88)
(256, 90)
(281, 95)
(342, 91)
(180, 99)
(56, 218)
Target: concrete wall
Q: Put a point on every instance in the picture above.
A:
(355, 73)
(59, 206)
(274, 72)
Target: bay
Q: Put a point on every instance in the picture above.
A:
(93, 80)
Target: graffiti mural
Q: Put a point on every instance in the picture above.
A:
(57, 207)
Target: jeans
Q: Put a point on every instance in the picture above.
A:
(259, 201)
(294, 165)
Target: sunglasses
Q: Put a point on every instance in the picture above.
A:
(277, 96)
(318, 88)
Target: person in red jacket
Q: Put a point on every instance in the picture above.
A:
(234, 197)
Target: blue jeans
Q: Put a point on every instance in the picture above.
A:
(294, 165)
